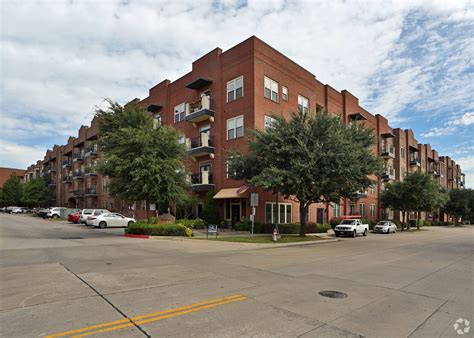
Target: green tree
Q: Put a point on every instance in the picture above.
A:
(36, 193)
(460, 204)
(144, 162)
(12, 191)
(312, 157)
(210, 209)
(184, 206)
(397, 197)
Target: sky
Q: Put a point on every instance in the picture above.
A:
(411, 61)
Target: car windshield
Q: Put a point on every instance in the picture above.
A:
(348, 221)
(383, 223)
(86, 212)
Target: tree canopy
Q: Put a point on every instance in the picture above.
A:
(11, 191)
(36, 193)
(460, 204)
(145, 162)
(312, 157)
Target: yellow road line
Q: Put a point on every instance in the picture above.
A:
(140, 317)
(155, 319)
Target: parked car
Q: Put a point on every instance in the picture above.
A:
(351, 227)
(84, 214)
(73, 217)
(94, 214)
(21, 210)
(41, 212)
(54, 212)
(9, 210)
(385, 227)
(107, 220)
(3, 209)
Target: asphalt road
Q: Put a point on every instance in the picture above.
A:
(59, 279)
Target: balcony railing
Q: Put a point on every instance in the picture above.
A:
(78, 174)
(67, 179)
(200, 110)
(387, 151)
(78, 157)
(415, 161)
(91, 171)
(91, 150)
(78, 193)
(67, 163)
(388, 175)
(91, 192)
(202, 181)
(359, 194)
(201, 146)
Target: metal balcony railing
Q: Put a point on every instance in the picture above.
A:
(78, 193)
(78, 156)
(204, 177)
(67, 163)
(91, 191)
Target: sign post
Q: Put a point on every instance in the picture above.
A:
(253, 204)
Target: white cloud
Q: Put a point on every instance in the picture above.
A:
(467, 167)
(452, 126)
(17, 156)
(61, 58)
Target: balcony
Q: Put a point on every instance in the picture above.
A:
(67, 179)
(202, 181)
(52, 184)
(91, 151)
(415, 161)
(200, 110)
(433, 171)
(359, 194)
(90, 171)
(52, 168)
(91, 192)
(78, 193)
(388, 175)
(201, 146)
(387, 151)
(78, 157)
(78, 174)
(67, 163)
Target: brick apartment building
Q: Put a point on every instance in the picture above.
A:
(214, 105)
(5, 174)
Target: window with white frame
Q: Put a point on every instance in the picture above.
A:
(270, 89)
(336, 211)
(269, 122)
(283, 212)
(303, 104)
(284, 93)
(372, 210)
(235, 89)
(352, 209)
(179, 112)
(372, 188)
(235, 127)
(362, 209)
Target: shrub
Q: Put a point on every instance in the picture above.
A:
(142, 228)
(397, 223)
(192, 223)
(335, 221)
(246, 225)
(323, 228)
(426, 223)
(289, 228)
(412, 223)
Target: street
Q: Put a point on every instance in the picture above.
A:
(61, 280)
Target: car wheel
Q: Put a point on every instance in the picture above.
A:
(55, 216)
(365, 233)
(394, 230)
(129, 223)
(354, 234)
(102, 225)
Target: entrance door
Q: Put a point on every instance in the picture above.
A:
(320, 216)
(235, 214)
(205, 173)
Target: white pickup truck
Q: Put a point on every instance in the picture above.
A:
(351, 227)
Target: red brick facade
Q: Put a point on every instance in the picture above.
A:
(205, 110)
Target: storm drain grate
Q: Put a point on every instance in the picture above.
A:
(71, 238)
(333, 294)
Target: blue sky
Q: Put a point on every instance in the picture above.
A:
(410, 61)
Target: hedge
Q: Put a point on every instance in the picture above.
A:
(192, 223)
(142, 228)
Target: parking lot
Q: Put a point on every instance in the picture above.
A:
(61, 280)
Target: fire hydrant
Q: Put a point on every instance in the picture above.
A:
(275, 235)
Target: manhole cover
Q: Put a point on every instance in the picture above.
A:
(72, 238)
(333, 294)
(108, 263)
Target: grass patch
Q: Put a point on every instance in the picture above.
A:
(264, 239)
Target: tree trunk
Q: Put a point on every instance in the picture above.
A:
(403, 220)
(147, 207)
(418, 220)
(302, 219)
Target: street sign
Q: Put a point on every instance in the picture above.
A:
(211, 229)
(254, 200)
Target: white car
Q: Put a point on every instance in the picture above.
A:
(351, 227)
(18, 210)
(94, 214)
(54, 212)
(84, 214)
(385, 227)
(111, 219)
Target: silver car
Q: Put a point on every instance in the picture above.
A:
(385, 227)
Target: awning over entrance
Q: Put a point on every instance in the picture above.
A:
(231, 193)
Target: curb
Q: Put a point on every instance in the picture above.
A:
(136, 236)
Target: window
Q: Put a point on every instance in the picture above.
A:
(284, 93)
(283, 214)
(372, 210)
(372, 188)
(352, 209)
(235, 127)
(402, 152)
(269, 122)
(303, 104)
(336, 211)
(271, 89)
(235, 89)
(362, 209)
(179, 112)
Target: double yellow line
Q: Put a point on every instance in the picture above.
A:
(148, 318)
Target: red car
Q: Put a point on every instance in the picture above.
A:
(74, 217)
